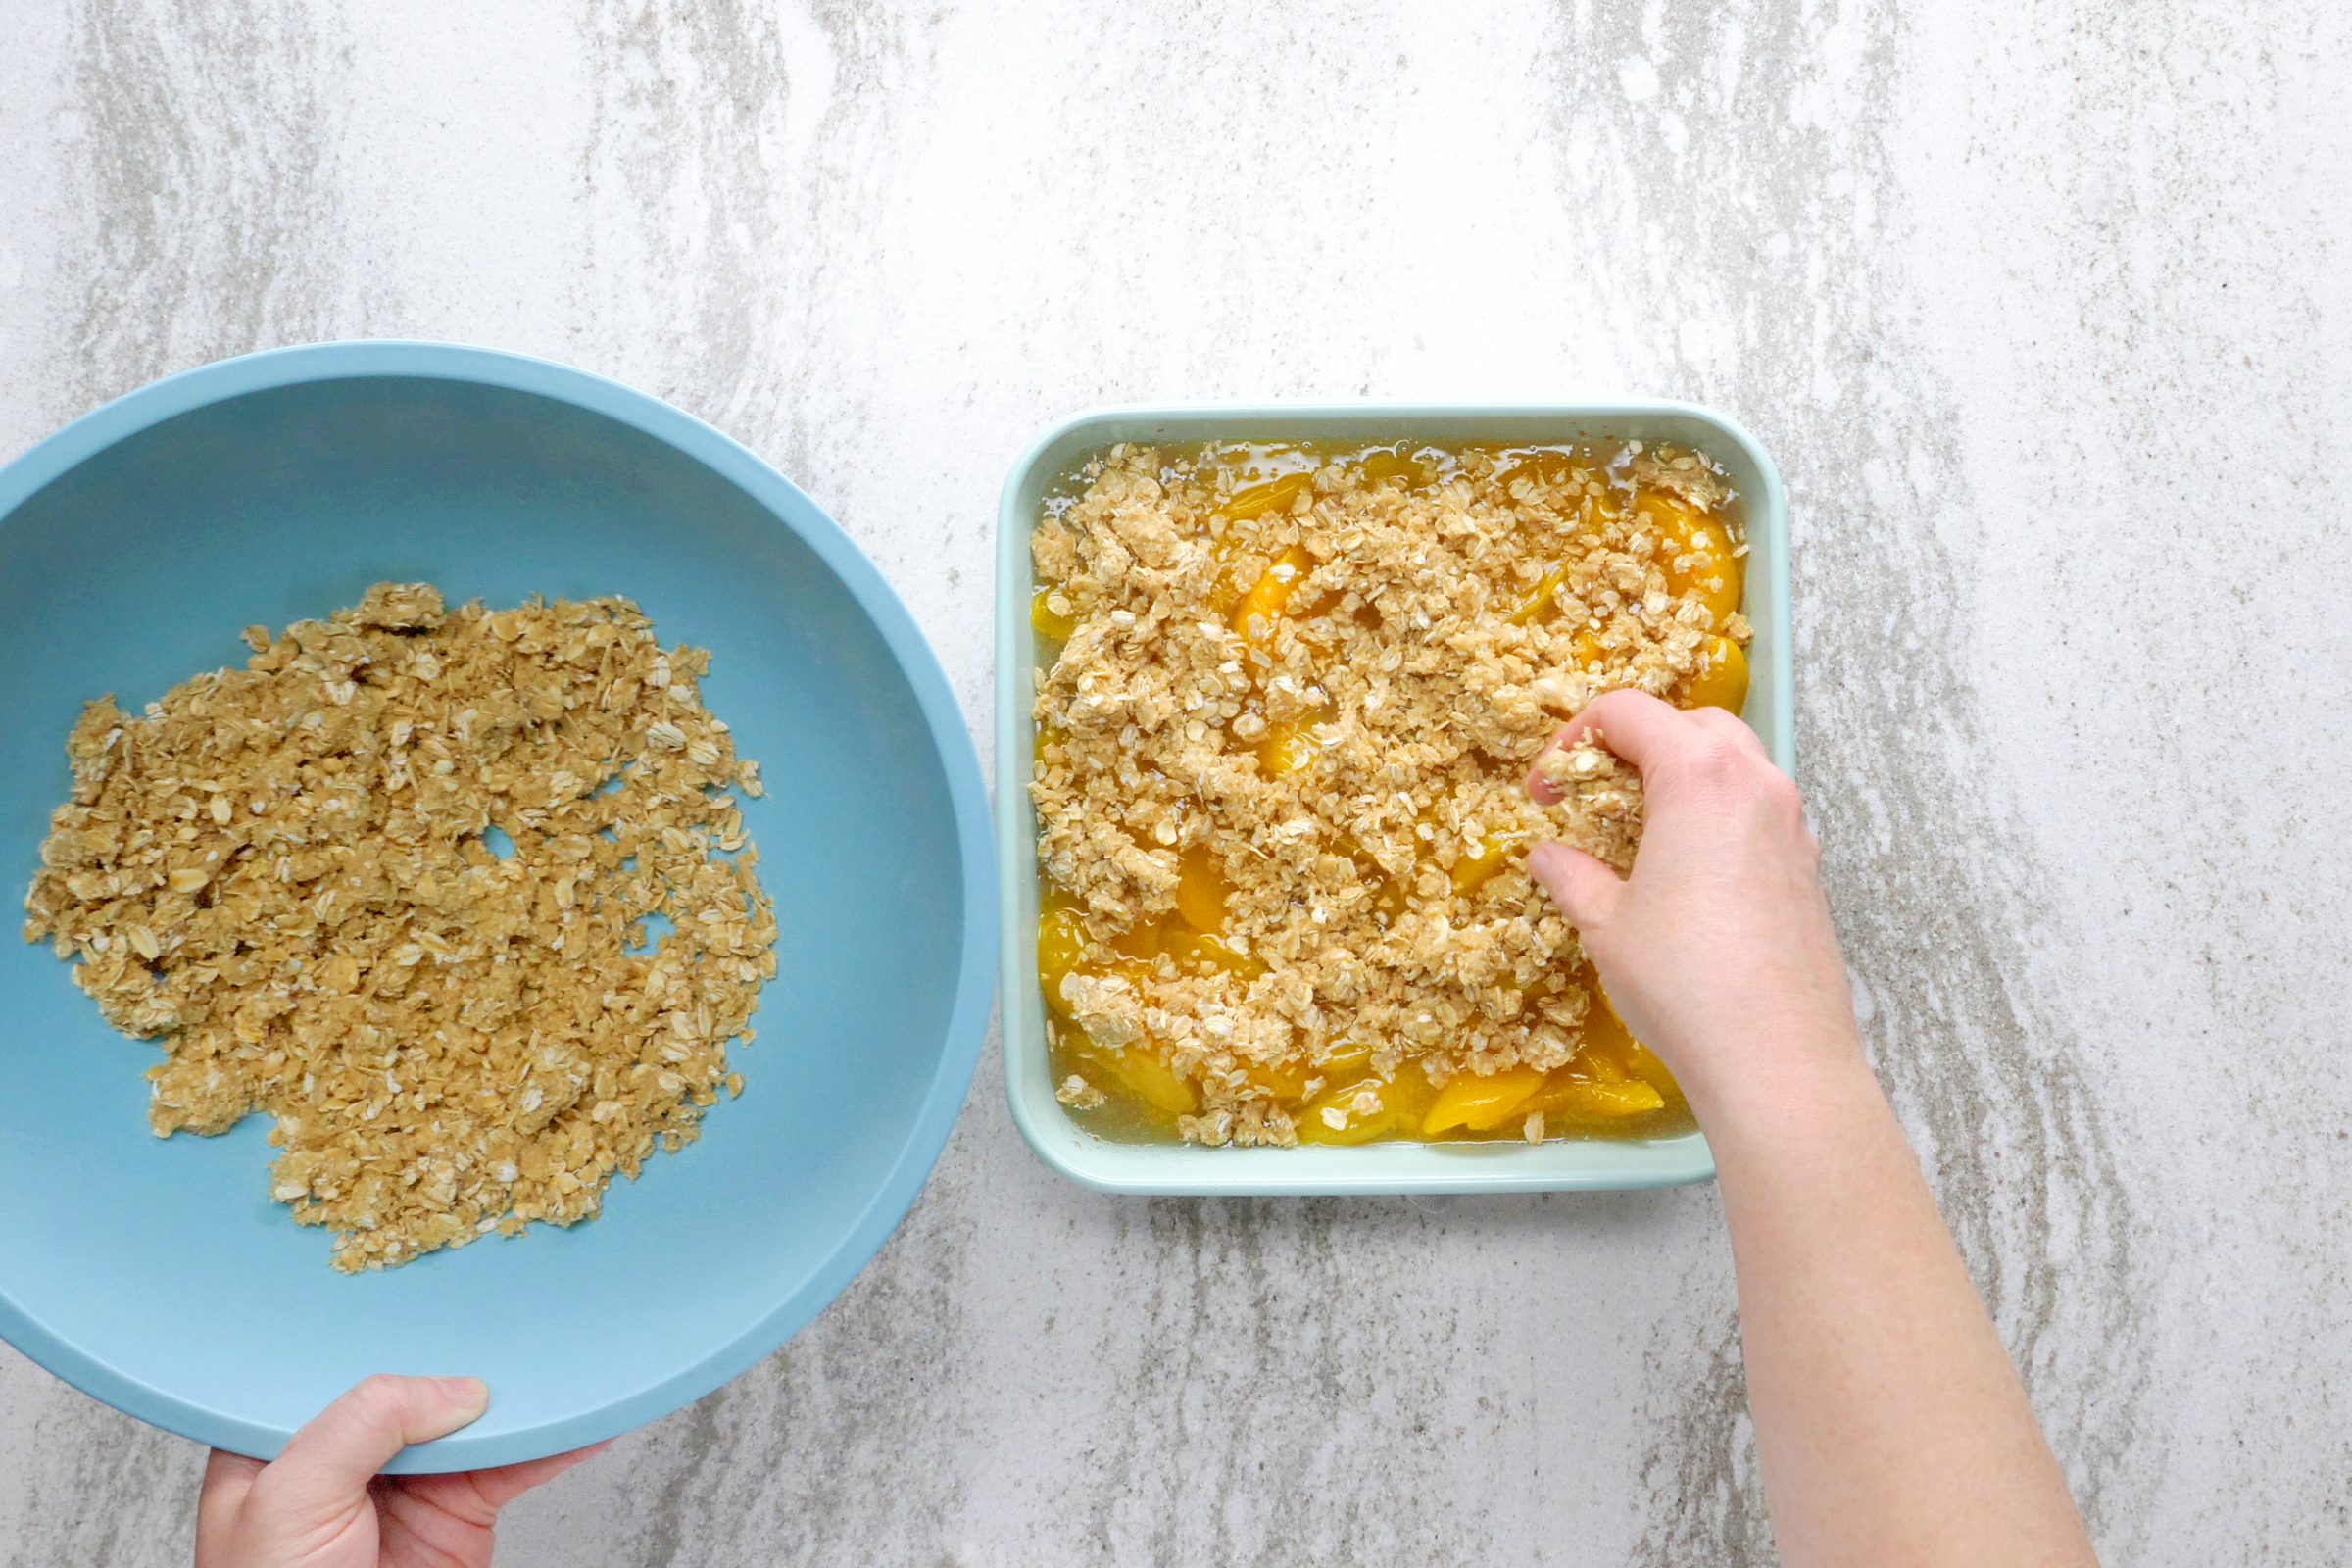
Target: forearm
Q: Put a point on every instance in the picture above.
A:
(1890, 1425)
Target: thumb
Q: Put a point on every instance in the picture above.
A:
(1585, 890)
(227, 1477)
(328, 1464)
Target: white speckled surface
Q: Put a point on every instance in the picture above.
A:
(2043, 310)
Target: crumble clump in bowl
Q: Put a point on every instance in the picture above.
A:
(281, 872)
(1280, 764)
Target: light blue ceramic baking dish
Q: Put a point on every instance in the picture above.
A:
(1395, 1167)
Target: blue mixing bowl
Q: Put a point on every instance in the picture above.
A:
(157, 1274)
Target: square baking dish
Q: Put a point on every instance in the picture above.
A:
(1114, 1166)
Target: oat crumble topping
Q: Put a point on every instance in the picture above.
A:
(1281, 757)
(279, 872)
(1600, 799)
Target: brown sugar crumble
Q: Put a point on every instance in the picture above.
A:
(1600, 798)
(1280, 773)
(280, 873)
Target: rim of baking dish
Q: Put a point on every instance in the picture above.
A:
(1391, 1167)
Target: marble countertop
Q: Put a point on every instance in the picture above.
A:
(2046, 321)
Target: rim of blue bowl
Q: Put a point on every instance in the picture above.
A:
(792, 508)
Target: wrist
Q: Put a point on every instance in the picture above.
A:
(1779, 1083)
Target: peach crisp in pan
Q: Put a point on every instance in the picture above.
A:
(1288, 701)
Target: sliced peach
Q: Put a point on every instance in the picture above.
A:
(1141, 941)
(1695, 551)
(1199, 948)
(1152, 1081)
(1412, 1093)
(1287, 749)
(1608, 1053)
(1723, 681)
(1276, 495)
(1254, 617)
(1352, 1114)
(1139, 1072)
(1644, 1064)
(1048, 621)
(1363, 1108)
(1584, 1099)
(1604, 1033)
(1061, 944)
(1494, 852)
(1537, 601)
(1598, 1064)
(1285, 1081)
(1200, 888)
(1477, 1102)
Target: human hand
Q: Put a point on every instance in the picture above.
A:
(321, 1504)
(1717, 950)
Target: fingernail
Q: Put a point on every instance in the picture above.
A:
(1543, 859)
(470, 1393)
